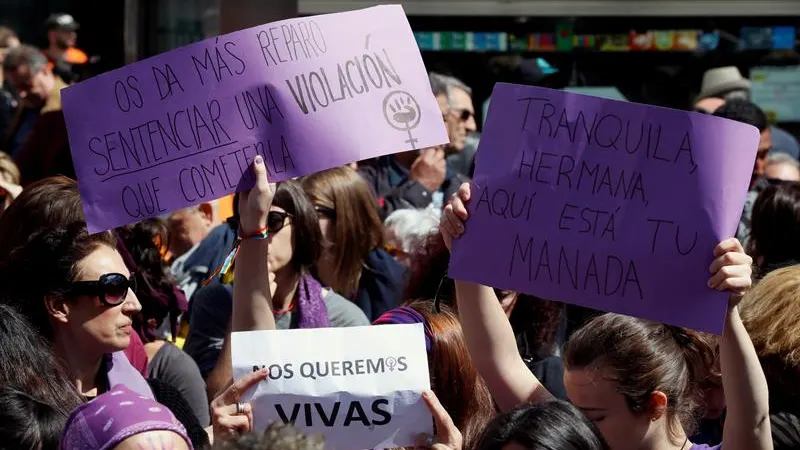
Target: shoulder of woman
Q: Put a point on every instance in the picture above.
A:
(342, 312)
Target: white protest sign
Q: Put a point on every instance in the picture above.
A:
(360, 387)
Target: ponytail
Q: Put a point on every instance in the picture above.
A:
(644, 357)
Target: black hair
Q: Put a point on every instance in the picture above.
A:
(28, 364)
(743, 111)
(290, 196)
(548, 425)
(775, 226)
(46, 265)
(29, 423)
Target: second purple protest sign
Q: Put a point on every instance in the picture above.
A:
(611, 205)
(307, 94)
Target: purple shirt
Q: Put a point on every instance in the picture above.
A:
(705, 447)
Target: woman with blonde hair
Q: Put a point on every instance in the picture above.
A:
(770, 313)
(353, 261)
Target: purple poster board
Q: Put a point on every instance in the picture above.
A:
(611, 205)
(307, 94)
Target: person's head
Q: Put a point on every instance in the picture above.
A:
(749, 113)
(8, 40)
(350, 225)
(62, 31)
(295, 238)
(455, 102)
(781, 166)
(29, 422)
(74, 288)
(454, 379)
(775, 225)
(407, 229)
(28, 365)
(638, 381)
(769, 312)
(27, 71)
(278, 436)
(45, 204)
(121, 419)
(708, 105)
(548, 425)
(535, 321)
(189, 226)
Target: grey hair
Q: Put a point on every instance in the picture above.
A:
(412, 226)
(444, 85)
(782, 158)
(25, 55)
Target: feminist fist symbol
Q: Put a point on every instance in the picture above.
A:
(402, 112)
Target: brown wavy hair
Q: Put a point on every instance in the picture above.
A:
(357, 228)
(454, 379)
(644, 357)
(769, 312)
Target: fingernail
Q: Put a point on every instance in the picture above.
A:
(426, 394)
(265, 372)
(259, 160)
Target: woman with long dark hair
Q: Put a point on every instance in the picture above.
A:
(637, 380)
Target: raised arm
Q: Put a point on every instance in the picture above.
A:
(487, 331)
(747, 425)
(252, 299)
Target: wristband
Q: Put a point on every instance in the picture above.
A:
(258, 235)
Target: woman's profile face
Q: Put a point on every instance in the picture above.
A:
(597, 397)
(101, 327)
(281, 243)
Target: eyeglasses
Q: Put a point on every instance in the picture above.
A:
(330, 213)
(463, 114)
(276, 220)
(111, 288)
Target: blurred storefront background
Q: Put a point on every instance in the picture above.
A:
(651, 51)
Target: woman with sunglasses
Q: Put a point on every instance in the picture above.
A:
(353, 260)
(298, 299)
(74, 288)
(76, 291)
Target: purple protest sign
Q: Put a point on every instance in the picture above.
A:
(611, 205)
(307, 94)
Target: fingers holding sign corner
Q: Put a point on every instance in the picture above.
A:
(254, 204)
(229, 416)
(731, 270)
(454, 216)
(447, 435)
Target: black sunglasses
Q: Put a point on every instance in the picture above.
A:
(330, 213)
(276, 221)
(111, 288)
(463, 114)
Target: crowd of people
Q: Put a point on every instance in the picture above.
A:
(122, 339)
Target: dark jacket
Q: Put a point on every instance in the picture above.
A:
(45, 151)
(396, 190)
(381, 286)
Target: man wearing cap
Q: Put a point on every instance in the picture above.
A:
(62, 34)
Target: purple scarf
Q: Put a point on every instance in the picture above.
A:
(311, 309)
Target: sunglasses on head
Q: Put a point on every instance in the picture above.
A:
(111, 288)
(276, 221)
(324, 211)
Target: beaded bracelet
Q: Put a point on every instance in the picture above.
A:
(225, 271)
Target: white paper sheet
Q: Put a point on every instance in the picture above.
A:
(360, 387)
